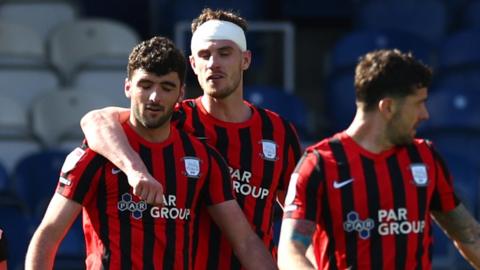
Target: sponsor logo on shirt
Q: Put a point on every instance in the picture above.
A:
(136, 208)
(354, 223)
(241, 184)
(389, 222)
(169, 209)
(340, 184)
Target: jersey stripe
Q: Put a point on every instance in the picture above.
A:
(148, 227)
(170, 188)
(347, 199)
(399, 198)
(373, 198)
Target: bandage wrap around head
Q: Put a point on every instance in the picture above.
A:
(219, 30)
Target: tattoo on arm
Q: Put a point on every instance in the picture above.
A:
(302, 232)
(459, 225)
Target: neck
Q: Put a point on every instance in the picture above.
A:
(368, 130)
(154, 135)
(230, 109)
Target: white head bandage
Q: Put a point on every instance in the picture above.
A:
(219, 30)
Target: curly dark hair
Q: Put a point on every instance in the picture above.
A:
(389, 73)
(219, 14)
(158, 55)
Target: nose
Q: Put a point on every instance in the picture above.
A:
(212, 61)
(153, 97)
(425, 115)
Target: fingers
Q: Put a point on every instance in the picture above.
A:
(147, 188)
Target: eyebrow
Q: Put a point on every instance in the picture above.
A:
(163, 83)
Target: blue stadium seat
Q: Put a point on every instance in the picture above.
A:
(71, 252)
(453, 109)
(307, 9)
(460, 52)
(4, 179)
(18, 230)
(186, 10)
(287, 105)
(346, 52)
(35, 178)
(340, 101)
(426, 19)
(470, 15)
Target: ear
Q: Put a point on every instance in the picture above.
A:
(127, 88)
(192, 64)
(387, 107)
(246, 59)
(181, 96)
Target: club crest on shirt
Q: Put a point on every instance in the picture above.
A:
(192, 167)
(269, 150)
(419, 173)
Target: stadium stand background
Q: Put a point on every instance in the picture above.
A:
(43, 92)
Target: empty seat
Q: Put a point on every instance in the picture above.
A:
(340, 101)
(18, 229)
(35, 178)
(13, 120)
(91, 43)
(41, 16)
(12, 150)
(287, 105)
(26, 84)
(109, 83)
(20, 45)
(71, 252)
(453, 109)
(347, 50)
(470, 15)
(425, 19)
(56, 116)
(459, 52)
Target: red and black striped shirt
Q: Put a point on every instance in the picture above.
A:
(123, 232)
(261, 153)
(372, 210)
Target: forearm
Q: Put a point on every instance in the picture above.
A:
(464, 230)
(254, 255)
(41, 251)
(292, 257)
(105, 136)
(295, 238)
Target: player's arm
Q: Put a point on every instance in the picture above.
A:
(105, 136)
(249, 249)
(464, 230)
(295, 238)
(60, 215)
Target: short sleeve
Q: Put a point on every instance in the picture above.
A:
(218, 183)
(304, 190)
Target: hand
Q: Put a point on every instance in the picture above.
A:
(146, 187)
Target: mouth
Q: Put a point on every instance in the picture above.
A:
(154, 108)
(214, 77)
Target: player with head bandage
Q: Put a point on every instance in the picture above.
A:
(260, 147)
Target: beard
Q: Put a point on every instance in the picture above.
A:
(222, 93)
(150, 122)
(397, 133)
